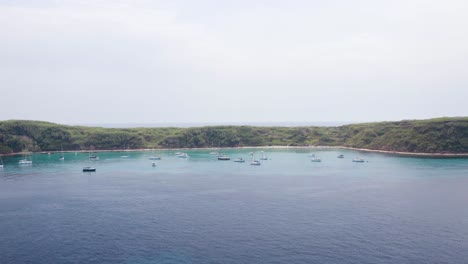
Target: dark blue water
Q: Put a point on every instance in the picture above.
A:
(200, 210)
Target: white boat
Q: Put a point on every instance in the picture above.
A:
(125, 156)
(358, 159)
(240, 160)
(178, 153)
(340, 156)
(93, 157)
(264, 157)
(61, 156)
(253, 161)
(25, 162)
(214, 153)
(315, 159)
(183, 155)
(1, 161)
(156, 157)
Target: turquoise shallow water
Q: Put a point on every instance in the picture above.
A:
(200, 210)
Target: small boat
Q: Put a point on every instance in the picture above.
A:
(358, 159)
(239, 160)
(255, 163)
(93, 157)
(224, 157)
(183, 155)
(214, 153)
(25, 162)
(340, 156)
(125, 156)
(264, 157)
(153, 164)
(1, 161)
(315, 159)
(155, 158)
(178, 153)
(88, 169)
(62, 157)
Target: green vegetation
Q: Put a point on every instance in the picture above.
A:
(441, 135)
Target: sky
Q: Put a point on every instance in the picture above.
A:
(244, 61)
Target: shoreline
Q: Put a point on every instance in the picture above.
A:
(397, 153)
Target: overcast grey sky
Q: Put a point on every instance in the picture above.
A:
(232, 61)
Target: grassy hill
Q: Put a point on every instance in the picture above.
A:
(440, 135)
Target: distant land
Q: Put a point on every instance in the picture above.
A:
(447, 135)
(203, 124)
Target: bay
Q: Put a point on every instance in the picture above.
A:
(389, 209)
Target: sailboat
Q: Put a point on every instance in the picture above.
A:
(62, 157)
(25, 161)
(154, 157)
(183, 156)
(223, 157)
(89, 169)
(358, 159)
(1, 161)
(264, 157)
(253, 161)
(125, 156)
(315, 159)
(93, 157)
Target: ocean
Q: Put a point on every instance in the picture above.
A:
(388, 209)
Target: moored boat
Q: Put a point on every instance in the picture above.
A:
(89, 169)
(24, 162)
(239, 160)
(340, 156)
(183, 155)
(315, 159)
(224, 157)
(358, 159)
(62, 157)
(255, 163)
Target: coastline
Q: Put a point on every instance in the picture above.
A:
(397, 153)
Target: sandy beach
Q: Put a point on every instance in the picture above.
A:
(399, 153)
